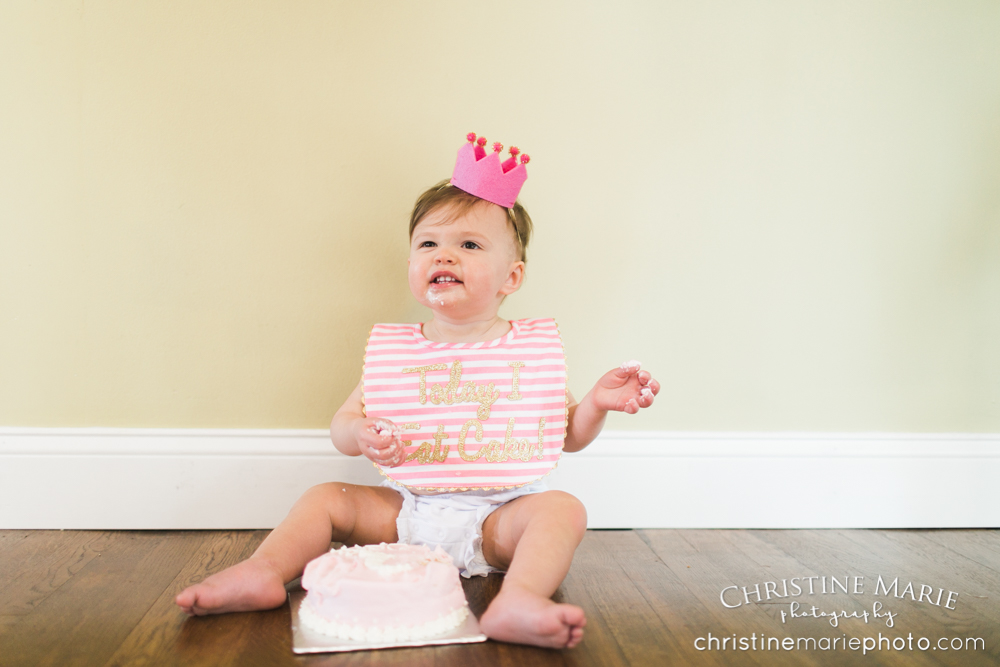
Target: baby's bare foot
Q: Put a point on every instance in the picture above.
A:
(521, 617)
(248, 586)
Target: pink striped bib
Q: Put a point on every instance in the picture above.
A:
(489, 415)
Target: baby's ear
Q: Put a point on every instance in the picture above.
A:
(514, 279)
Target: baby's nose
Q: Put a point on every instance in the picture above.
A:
(444, 256)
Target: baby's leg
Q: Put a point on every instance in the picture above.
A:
(533, 538)
(325, 513)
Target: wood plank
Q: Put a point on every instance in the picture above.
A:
(977, 586)
(923, 561)
(24, 545)
(8, 628)
(682, 615)
(805, 560)
(153, 639)
(222, 639)
(480, 591)
(705, 563)
(55, 558)
(622, 628)
(982, 546)
(8, 622)
(85, 620)
(647, 596)
(270, 639)
(8, 537)
(865, 553)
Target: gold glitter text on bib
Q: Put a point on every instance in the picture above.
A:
(515, 395)
(486, 395)
(497, 452)
(427, 454)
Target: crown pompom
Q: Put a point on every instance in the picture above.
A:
(525, 159)
(485, 176)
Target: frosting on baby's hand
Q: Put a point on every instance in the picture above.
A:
(386, 427)
(631, 366)
(393, 452)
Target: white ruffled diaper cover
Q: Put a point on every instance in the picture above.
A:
(454, 521)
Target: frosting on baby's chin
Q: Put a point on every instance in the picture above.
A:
(438, 297)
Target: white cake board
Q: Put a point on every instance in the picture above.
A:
(306, 640)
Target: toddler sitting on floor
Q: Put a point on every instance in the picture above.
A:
(465, 415)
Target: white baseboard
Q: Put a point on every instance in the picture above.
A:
(199, 478)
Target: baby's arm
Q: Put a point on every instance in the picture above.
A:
(354, 434)
(625, 389)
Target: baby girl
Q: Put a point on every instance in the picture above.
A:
(464, 415)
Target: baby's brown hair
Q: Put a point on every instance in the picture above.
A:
(445, 194)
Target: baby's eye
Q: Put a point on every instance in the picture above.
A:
(427, 244)
(467, 245)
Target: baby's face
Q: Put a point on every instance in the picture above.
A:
(461, 266)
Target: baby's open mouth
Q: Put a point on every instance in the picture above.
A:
(445, 280)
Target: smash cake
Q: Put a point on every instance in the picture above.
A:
(383, 592)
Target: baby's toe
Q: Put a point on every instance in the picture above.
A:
(186, 600)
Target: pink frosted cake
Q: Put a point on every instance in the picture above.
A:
(384, 592)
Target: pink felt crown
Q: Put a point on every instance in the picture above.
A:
(485, 176)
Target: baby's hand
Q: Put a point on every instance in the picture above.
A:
(625, 389)
(380, 440)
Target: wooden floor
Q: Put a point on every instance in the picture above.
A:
(652, 597)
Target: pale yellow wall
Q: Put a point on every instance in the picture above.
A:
(789, 211)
